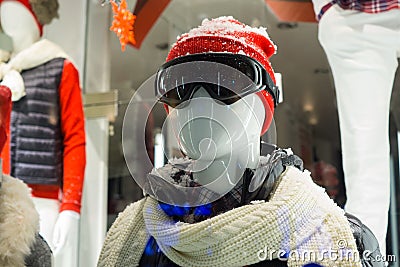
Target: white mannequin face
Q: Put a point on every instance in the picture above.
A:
(205, 119)
(19, 24)
(219, 137)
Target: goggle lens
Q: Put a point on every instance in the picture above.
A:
(226, 77)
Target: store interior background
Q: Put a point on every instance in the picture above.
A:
(306, 121)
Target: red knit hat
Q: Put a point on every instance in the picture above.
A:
(225, 34)
(29, 7)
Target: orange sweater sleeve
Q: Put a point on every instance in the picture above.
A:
(73, 130)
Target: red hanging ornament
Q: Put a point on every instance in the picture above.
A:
(122, 24)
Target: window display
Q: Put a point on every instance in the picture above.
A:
(223, 203)
(46, 147)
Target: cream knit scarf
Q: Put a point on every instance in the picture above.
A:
(37, 54)
(299, 218)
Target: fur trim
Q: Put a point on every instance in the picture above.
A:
(19, 222)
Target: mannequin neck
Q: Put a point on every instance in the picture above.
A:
(21, 44)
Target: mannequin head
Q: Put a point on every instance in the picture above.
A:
(227, 35)
(223, 86)
(19, 23)
(23, 20)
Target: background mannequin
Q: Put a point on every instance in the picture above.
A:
(53, 106)
(362, 42)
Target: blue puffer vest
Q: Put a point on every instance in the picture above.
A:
(36, 139)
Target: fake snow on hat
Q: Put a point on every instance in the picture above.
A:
(226, 34)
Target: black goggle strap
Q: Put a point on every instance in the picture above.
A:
(272, 88)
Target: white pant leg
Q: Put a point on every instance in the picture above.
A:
(48, 210)
(361, 49)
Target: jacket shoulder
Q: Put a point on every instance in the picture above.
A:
(41, 255)
(367, 244)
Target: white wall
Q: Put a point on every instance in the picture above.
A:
(68, 31)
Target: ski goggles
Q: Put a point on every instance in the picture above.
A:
(226, 77)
